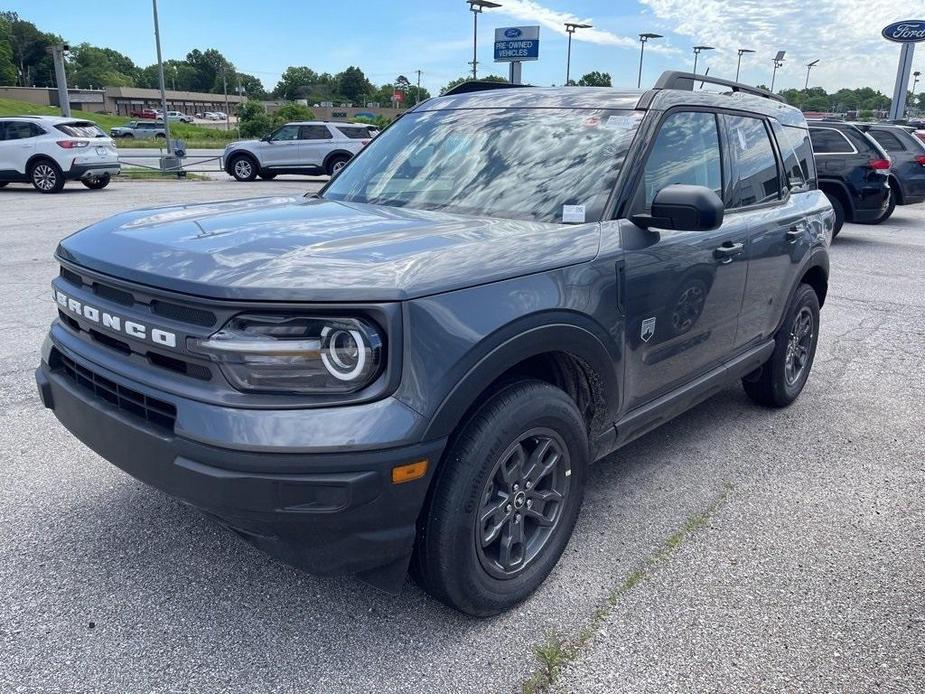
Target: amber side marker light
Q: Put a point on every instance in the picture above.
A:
(409, 472)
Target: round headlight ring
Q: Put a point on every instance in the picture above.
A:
(334, 362)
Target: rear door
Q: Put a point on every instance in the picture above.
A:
(683, 288)
(778, 234)
(317, 139)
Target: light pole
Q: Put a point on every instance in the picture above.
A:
(642, 49)
(809, 66)
(570, 29)
(742, 51)
(477, 7)
(160, 79)
(778, 62)
(915, 80)
(697, 50)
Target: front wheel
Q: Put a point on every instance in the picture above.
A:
(97, 182)
(780, 381)
(46, 176)
(505, 501)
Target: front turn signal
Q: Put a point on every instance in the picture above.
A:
(409, 472)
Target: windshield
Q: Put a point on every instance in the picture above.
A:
(549, 165)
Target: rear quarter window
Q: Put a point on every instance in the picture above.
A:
(887, 140)
(356, 133)
(830, 141)
(797, 151)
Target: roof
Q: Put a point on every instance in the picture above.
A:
(324, 122)
(53, 120)
(537, 97)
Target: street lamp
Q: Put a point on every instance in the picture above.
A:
(742, 51)
(642, 49)
(809, 66)
(915, 80)
(570, 29)
(778, 62)
(697, 50)
(477, 6)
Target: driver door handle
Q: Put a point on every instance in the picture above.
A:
(728, 251)
(795, 232)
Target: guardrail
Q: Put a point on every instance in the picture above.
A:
(167, 164)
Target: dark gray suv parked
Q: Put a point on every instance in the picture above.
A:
(416, 367)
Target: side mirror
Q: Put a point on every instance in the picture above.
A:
(683, 208)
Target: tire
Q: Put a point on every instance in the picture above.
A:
(4, 184)
(46, 176)
(839, 214)
(450, 560)
(889, 211)
(336, 163)
(781, 379)
(242, 167)
(97, 183)
(160, 136)
(129, 136)
(267, 176)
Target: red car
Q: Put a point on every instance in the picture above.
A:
(144, 113)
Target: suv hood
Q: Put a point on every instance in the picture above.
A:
(309, 249)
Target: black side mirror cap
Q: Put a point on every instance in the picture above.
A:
(683, 208)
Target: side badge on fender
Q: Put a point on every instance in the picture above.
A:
(648, 329)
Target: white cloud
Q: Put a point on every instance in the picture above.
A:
(843, 34)
(530, 11)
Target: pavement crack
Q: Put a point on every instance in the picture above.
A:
(558, 650)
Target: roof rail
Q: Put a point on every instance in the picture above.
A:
(673, 79)
(481, 86)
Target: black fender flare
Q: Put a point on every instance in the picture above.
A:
(834, 183)
(819, 258)
(524, 338)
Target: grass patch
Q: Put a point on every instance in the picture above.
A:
(153, 175)
(558, 651)
(195, 135)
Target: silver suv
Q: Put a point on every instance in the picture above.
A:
(139, 128)
(310, 147)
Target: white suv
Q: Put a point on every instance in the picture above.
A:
(49, 150)
(310, 147)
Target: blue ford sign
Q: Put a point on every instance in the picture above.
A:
(517, 44)
(908, 31)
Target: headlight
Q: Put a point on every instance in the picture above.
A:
(296, 354)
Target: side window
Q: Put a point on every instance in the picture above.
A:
(353, 133)
(829, 141)
(20, 131)
(799, 165)
(887, 140)
(2, 131)
(686, 150)
(286, 133)
(755, 174)
(315, 132)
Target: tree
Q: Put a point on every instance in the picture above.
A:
(595, 79)
(253, 120)
(100, 67)
(295, 83)
(30, 55)
(353, 86)
(210, 66)
(7, 66)
(252, 86)
(462, 80)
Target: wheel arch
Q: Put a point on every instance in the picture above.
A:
(41, 156)
(567, 355)
(896, 186)
(839, 190)
(230, 157)
(336, 153)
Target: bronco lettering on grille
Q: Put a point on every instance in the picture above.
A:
(115, 323)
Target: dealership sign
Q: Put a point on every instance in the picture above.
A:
(516, 44)
(909, 31)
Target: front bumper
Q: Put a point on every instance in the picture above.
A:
(328, 513)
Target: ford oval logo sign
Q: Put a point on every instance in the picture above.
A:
(909, 31)
(512, 33)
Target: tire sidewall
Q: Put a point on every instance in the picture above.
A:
(839, 214)
(464, 576)
(805, 297)
(233, 163)
(340, 158)
(59, 176)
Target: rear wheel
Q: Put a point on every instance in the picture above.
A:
(839, 214)
(505, 502)
(243, 167)
(889, 210)
(97, 182)
(46, 176)
(780, 381)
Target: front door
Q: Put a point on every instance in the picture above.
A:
(283, 149)
(683, 288)
(17, 143)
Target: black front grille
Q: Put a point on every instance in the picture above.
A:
(157, 412)
(184, 314)
(112, 294)
(71, 277)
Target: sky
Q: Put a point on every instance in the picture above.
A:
(386, 39)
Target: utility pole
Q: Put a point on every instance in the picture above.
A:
(642, 50)
(417, 94)
(57, 55)
(477, 7)
(160, 79)
(570, 29)
(225, 89)
(742, 51)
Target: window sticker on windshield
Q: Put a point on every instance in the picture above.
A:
(620, 122)
(743, 145)
(573, 214)
(592, 121)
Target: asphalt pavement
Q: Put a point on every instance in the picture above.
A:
(733, 549)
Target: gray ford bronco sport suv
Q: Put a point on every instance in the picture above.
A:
(414, 368)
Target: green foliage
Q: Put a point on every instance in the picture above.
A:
(353, 85)
(461, 80)
(295, 83)
(817, 99)
(90, 66)
(30, 57)
(255, 122)
(292, 111)
(380, 122)
(7, 66)
(865, 115)
(595, 79)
